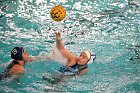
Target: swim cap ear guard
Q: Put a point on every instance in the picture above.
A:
(16, 53)
(91, 56)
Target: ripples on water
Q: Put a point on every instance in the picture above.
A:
(111, 28)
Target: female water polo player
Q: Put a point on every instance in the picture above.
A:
(75, 65)
(17, 66)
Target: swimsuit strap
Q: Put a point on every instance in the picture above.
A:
(74, 66)
(81, 67)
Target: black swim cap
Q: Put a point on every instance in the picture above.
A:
(16, 53)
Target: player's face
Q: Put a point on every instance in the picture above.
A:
(82, 59)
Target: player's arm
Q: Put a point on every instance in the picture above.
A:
(38, 58)
(59, 43)
(66, 53)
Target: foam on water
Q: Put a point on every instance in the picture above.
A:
(57, 56)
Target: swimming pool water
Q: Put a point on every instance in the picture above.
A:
(110, 28)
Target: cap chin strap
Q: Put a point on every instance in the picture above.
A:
(22, 53)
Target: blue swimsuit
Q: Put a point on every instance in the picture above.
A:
(72, 70)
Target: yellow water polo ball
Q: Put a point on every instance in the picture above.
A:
(58, 13)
